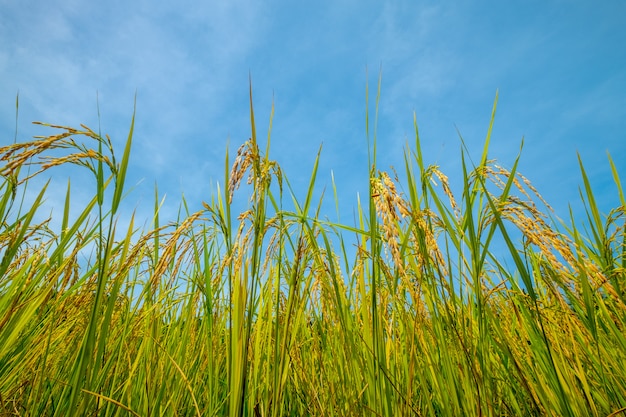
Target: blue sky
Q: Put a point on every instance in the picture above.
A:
(559, 66)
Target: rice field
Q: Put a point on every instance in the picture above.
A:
(276, 311)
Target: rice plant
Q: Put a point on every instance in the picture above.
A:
(271, 312)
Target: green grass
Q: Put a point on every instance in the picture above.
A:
(268, 312)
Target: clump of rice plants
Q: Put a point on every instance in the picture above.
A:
(266, 313)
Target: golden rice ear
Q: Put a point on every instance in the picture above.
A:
(174, 252)
(446, 190)
(242, 162)
(30, 153)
